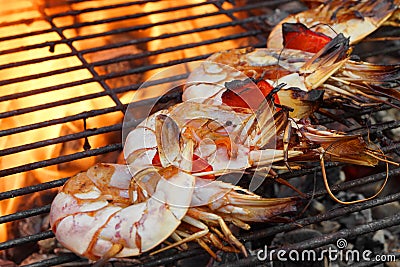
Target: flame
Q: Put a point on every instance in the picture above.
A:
(35, 10)
(196, 37)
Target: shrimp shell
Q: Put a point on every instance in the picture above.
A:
(294, 68)
(354, 19)
(329, 70)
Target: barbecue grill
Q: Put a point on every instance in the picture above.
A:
(114, 54)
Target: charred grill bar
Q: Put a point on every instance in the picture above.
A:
(251, 30)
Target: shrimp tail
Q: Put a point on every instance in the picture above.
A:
(249, 209)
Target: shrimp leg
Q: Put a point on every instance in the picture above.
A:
(204, 230)
(211, 217)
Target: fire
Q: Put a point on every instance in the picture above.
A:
(197, 39)
(14, 17)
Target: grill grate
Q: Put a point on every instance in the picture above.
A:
(239, 24)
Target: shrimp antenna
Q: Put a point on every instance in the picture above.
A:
(327, 186)
(279, 59)
(324, 24)
(371, 153)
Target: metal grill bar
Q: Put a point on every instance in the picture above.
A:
(377, 127)
(374, 128)
(97, 22)
(24, 214)
(333, 214)
(133, 16)
(386, 50)
(83, 115)
(23, 21)
(102, 78)
(61, 139)
(315, 243)
(230, 14)
(113, 75)
(55, 261)
(347, 233)
(272, 230)
(93, 113)
(327, 239)
(61, 159)
(102, 8)
(26, 239)
(32, 189)
(85, 63)
(172, 258)
(17, 112)
(354, 114)
(125, 58)
(261, 234)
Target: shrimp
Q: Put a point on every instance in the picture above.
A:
(354, 19)
(101, 214)
(116, 210)
(225, 140)
(105, 212)
(310, 78)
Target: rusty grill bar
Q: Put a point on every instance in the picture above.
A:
(253, 29)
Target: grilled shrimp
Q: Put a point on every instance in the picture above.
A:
(275, 67)
(309, 78)
(104, 212)
(354, 19)
(225, 139)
